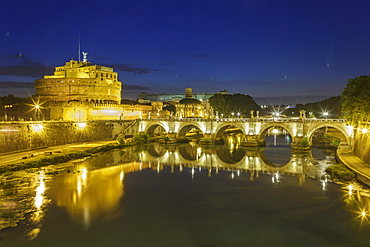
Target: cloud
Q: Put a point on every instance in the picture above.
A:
(35, 71)
(133, 87)
(132, 69)
(21, 65)
(16, 85)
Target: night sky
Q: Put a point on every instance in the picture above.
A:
(255, 47)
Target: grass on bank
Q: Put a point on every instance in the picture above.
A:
(340, 172)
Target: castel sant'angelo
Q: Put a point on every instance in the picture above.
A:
(81, 91)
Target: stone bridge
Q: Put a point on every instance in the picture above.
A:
(254, 129)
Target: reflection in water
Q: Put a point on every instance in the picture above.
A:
(253, 160)
(357, 202)
(40, 189)
(92, 195)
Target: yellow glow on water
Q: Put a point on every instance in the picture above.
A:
(84, 174)
(199, 152)
(92, 194)
(39, 198)
(122, 175)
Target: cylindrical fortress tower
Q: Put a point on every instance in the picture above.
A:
(80, 81)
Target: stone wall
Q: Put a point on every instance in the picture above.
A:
(361, 147)
(17, 136)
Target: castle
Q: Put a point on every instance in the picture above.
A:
(82, 91)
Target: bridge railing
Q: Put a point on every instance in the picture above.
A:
(269, 120)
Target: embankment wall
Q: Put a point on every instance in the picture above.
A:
(361, 146)
(18, 136)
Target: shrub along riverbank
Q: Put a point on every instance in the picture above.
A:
(340, 172)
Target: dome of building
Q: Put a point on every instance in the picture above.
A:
(188, 101)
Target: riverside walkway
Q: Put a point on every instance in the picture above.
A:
(15, 157)
(347, 157)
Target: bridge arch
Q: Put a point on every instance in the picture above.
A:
(291, 131)
(150, 129)
(188, 126)
(341, 128)
(221, 129)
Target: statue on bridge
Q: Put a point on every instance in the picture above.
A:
(302, 114)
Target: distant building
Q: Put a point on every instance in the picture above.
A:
(203, 97)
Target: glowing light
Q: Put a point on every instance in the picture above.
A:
(238, 172)
(37, 106)
(9, 130)
(81, 125)
(121, 176)
(364, 130)
(232, 175)
(363, 213)
(192, 171)
(275, 131)
(350, 130)
(37, 127)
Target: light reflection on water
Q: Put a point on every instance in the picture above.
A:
(94, 197)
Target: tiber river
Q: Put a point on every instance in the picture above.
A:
(190, 195)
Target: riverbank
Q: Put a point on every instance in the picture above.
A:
(350, 160)
(22, 173)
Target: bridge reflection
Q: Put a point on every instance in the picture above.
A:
(214, 158)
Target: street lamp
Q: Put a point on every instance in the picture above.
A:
(232, 114)
(238, 114)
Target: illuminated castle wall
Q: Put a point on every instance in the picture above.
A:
(81, 81)
(81, 91)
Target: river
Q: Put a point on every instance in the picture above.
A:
(191, 195)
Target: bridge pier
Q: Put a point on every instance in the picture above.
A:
(207, 139)
(253, 141)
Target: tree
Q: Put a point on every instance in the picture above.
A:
(141, 138)
(355, 100)
(226, 104)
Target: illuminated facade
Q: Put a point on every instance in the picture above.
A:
(81, 81)
(81, 91)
